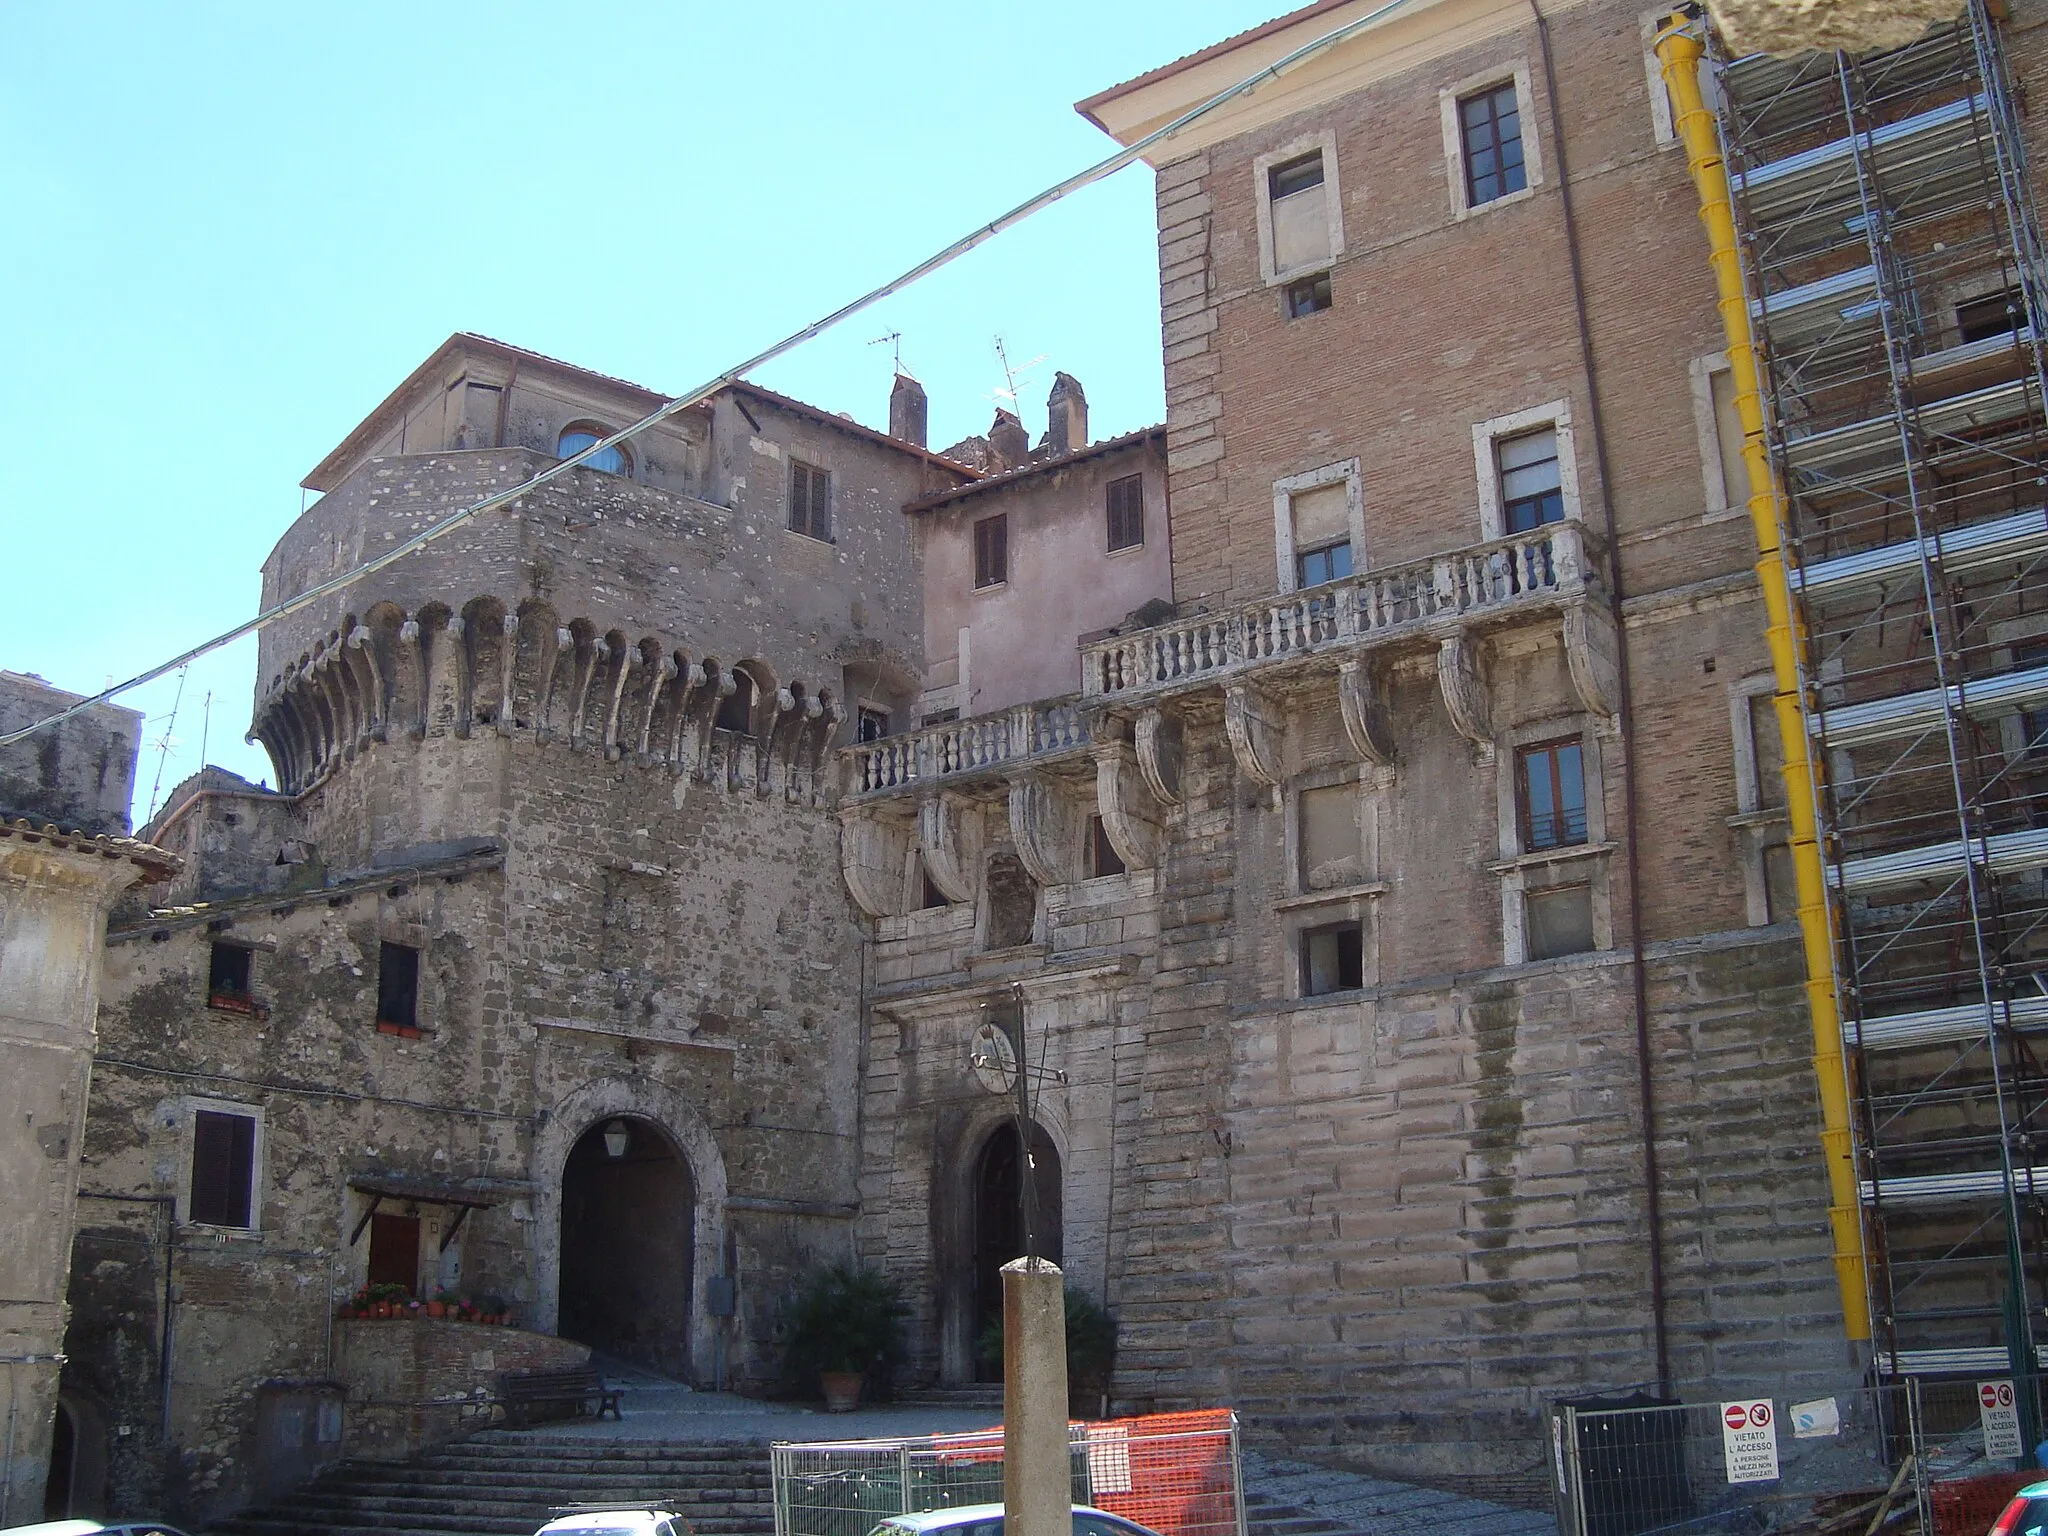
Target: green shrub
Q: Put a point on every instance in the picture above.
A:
(1091, 1337)
(846, 1317)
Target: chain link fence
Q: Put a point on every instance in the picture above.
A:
(1178, 1473)
(1929, 1458)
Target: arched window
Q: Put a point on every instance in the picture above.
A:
(612, 461)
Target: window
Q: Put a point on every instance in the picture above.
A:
(1313, 567)
(1103, 859)
(1995, 314)
(1332, 959)
(810, 501)
(1728, 437)
(1490, 131)
(612, 461)
(1126, 512)
(870, 724)
(1550, 786)
(1767, 748)
(1781, 891)
(398, 986)
(2033, 722)
(929, 894)
(222, 1192)
(1531, 490)
(1331, 851)
(1321, 517)
(1559, 921)
(1308, 295)
(1299, 213)
(992, 551)
(228, 976)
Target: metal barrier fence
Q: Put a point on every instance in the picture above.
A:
(1928, 1457)
(1178, 1473)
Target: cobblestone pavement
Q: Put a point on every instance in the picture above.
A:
(1343, 1502)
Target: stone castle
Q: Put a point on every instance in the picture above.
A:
(1359, 795)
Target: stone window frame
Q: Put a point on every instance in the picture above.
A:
(1325, 141)
(1555, 414)
(188, 1111)
(1345, 472)
(1754, 822)
(1303, 909)
(1663, 125)
(1454, 138)
(1723, 500)
(1523, 874)
(2006, 637)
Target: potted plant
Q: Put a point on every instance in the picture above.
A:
(1091, 1352)
(846, 1321)
(492, 1306)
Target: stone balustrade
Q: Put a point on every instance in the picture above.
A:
(1442, 592)
(962, 746)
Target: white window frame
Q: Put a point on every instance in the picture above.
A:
(1754, 823)
(1556, 414)
(1523, 873)
(1324, 141)
(188, 1115)
(1345, 472)
(1724, 501)
(1454, 137)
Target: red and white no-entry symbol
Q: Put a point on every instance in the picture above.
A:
(1995, 1394)
(1736, 1416)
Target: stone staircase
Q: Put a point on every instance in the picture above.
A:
(501, 1484)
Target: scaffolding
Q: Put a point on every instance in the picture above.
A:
(1896, 291)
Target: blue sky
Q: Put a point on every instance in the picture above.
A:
(229, 231)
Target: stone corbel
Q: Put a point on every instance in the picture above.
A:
(600, 649)
(629, 658)
(550, 680)
(1160, 746)
(1048, 829)
(1592, 654)
(1464, 689)
(820, 732)
(1130, 811)
(509, 647)
(692, 688)
(949, 841)
(664, 675)
(872, 851)
(410, 657)
(1254, 739)
(370, 667)
(772, 719)
(1362, 700)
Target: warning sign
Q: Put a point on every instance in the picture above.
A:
(2001, 1417)
(1749, 1441)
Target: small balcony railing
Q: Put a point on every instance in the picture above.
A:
(1441, 592)
(961, 746)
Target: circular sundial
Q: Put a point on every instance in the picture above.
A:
(993, 1056)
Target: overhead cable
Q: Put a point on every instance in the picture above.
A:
(1129, 154)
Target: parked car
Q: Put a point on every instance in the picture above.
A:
(2026, 1515)
(612, 1520)
(94, 1528)
(987, 1520)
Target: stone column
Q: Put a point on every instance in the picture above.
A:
(54, 894)
(1037, 1477)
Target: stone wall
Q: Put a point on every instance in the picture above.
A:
(80, 774)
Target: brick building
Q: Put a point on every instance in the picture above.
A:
(1384, 854)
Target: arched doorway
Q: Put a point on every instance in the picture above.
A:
(629, 1209)
(63, 1465)
(999, 1225)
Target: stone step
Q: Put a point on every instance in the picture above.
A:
(508, 1502)
(743, 1480)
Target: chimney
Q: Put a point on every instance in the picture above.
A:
(1008, 442)
(1066, 410)
(907, 410)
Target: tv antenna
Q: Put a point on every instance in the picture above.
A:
(895, 341)
(165, 742)
(1011, 374)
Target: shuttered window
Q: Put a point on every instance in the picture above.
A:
(223, 1169)
(810, 501)
(992, 551)
(1127, 512)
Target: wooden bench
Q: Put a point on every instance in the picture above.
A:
(574, 1390)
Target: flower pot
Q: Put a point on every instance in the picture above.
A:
(842, 1390)
(381, 1309)
(436, 1309)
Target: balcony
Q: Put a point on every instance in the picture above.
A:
(1422, 601)
(1039, 731)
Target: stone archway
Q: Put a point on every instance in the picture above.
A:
(667, 1113)
(627, 1245)
(998, 1225)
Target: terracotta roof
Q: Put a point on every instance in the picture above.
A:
(329, 471)
(157, 863)
(1036, 467)
(1087, 106)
